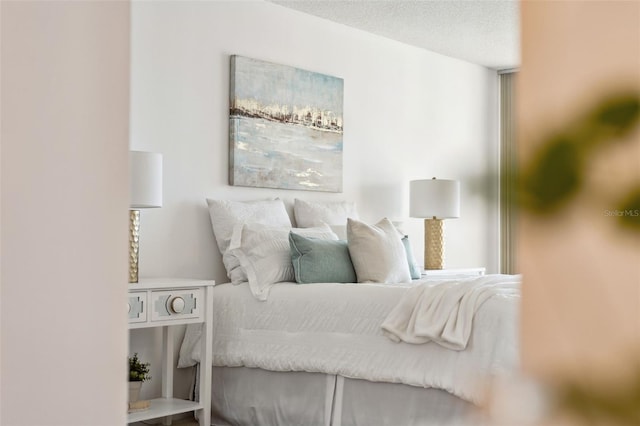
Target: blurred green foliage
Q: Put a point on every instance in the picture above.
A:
(603, 405)
(558, 170)
(546, 185)
(631, 208)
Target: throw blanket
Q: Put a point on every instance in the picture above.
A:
(443, 312)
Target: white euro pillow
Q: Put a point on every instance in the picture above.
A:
(225, 215)
(332, 213)
(265, 255)
(377, 252)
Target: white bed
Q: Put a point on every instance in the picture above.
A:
(316, 354)
(295, 342)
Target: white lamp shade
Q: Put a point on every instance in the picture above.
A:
(145, 174)
(439, 198)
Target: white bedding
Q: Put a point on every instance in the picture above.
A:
(336, 329)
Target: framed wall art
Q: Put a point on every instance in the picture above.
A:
(285, 127)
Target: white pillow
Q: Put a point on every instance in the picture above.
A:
(314, 214)
(377, 252)
(265, 254)
(225, 215)
(340, 230)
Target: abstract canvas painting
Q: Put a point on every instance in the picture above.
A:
(285, 127)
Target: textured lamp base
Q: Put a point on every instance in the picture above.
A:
(433, 244)
(134, 241)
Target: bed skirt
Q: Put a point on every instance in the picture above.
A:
(256, 397)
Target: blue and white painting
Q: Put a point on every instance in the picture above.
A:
(285, 127)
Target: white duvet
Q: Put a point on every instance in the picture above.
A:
(336, 329)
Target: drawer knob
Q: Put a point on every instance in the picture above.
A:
(128, 308)
(177, 305)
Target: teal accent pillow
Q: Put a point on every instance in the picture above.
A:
(414, 269)
(321, 261)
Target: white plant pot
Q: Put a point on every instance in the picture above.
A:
(134, 391)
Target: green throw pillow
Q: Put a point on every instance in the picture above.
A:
(414, 269)
(321, 261)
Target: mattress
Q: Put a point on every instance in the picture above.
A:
(336, 329)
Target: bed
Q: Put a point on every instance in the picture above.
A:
(341, 353)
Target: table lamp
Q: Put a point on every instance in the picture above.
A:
(435, 200)
(145, 191)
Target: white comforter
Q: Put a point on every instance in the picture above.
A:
(336, 329)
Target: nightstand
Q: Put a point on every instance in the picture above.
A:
(443, 274)
(167, 302)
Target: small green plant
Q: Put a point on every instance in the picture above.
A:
(138, 371)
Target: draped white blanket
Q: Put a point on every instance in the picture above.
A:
(336, 329)
(443, 313)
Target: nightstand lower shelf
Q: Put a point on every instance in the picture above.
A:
(161, 407)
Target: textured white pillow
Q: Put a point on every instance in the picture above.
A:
(377, 252)
(265, 254)
(225, 215)
(314, 214)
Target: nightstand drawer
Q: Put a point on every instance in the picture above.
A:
(169, 305)
(137, 307)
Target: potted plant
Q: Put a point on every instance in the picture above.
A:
(138, 373)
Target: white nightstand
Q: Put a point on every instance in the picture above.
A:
(441, 274)
(165, 302)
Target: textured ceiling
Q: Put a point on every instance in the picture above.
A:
(484, 32)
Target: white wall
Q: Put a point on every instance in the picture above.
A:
(408, 113)
(64, 173)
